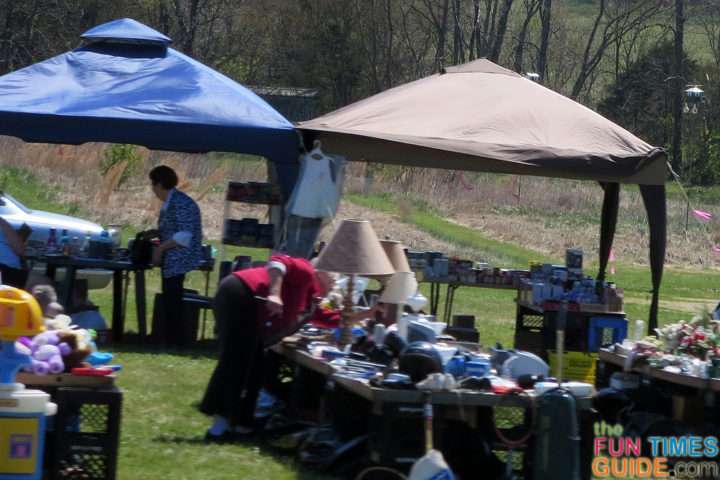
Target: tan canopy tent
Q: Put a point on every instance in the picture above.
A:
(482, 117)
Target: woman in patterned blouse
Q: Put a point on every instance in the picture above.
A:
(180, 249)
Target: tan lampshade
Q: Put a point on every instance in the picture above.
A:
(396, 254)
(355, 249)
(399, 288)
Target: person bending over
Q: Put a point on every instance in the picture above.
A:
(254, 308)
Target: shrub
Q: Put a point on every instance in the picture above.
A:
(118, 153)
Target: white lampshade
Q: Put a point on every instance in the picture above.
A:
(399, 288)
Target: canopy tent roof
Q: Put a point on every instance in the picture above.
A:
(480, 116)
(125, 85)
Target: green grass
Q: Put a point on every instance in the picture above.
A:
(423, 217)
(34, 194)
(162, 431)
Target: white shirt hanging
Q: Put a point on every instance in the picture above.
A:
(319, 186)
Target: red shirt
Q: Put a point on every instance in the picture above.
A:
(299, 287)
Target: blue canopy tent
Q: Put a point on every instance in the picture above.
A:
(126, 85)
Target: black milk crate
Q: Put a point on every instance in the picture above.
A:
(530, 331)
(83, 440)
(248, 232)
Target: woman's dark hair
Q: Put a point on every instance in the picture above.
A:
(165, 176)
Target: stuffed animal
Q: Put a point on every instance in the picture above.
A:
(58, 322)
(46, 351)
(80, 348)
(47, 299)
(54, 352)
(48, 359)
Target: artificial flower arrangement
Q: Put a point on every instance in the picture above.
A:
(699, 338)
(685, 347)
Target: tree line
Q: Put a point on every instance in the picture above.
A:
(630, 59)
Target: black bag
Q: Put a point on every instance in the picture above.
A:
(141, 251)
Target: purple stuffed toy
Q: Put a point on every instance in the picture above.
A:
(47, 352)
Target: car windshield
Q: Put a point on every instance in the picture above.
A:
(15, 202)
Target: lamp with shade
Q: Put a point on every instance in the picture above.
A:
(400, 287)
(396, 254)
(353, 250)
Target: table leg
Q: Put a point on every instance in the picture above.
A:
(50, 271)
(140, 303)
(449, 300)
(434, 297)
(125, 288)
(118, 317)
(66, 291)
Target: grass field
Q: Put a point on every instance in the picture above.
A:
(162, 430)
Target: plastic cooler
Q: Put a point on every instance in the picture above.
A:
(22, 431)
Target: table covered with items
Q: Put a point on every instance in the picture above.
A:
(122, 262)
(682, 364)
(400, 389)
(358, 414)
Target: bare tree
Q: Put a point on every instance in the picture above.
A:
(531, 9)
(607, 29)
(416, 39)
(501, 29)
(439, 21)
(545, 20)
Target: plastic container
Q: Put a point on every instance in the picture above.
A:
(22, 431)
(477, 368)
(456, 366)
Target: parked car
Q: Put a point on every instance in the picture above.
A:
(15, 213)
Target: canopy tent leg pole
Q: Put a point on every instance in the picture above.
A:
(611, 203)
(654, 200)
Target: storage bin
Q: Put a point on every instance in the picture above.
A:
(578, 366)
(83, 438)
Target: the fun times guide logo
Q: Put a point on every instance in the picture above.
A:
(618, 457)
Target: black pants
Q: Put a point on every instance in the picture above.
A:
(238, 376)
(15, 277)
(174, 328)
